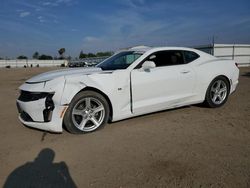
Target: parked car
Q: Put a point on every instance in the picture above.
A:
(130, 83)
(77, 64)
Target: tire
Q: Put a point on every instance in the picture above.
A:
(87, 112)
(217, 92)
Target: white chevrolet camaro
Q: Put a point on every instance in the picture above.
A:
(132, 82)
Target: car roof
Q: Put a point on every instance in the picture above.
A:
(144, 49)
(147, 48)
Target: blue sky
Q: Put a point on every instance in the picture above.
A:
(45, 26)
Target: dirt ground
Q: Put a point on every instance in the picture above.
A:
(192, 146)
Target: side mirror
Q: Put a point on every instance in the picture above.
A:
(148, 65)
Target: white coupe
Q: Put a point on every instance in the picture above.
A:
(132, 82)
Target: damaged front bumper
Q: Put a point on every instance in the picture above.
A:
(38, 110)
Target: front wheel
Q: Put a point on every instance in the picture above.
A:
(217, 92)
(87, 112)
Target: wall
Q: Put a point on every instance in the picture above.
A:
(238, 52)
(29, 63)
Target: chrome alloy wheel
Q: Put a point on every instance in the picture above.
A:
(218, 92)
(88, 114)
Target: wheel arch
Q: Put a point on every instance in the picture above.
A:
(224, 76)
(88, 88)
(205, 88)
(208, 102)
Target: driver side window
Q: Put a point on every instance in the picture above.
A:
(166, 58)
(127, 59)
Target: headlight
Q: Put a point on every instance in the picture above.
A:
(27, 96)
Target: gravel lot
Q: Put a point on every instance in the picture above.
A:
(186, 147)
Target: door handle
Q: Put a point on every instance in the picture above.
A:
(185, 71)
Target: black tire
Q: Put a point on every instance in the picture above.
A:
(210, 98)
(72, 121)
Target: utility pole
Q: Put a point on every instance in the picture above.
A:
(213, 39)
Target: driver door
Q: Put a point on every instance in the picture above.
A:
(167, 85)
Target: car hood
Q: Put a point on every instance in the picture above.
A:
(64, 72)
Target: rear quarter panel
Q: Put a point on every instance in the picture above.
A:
(208, 70)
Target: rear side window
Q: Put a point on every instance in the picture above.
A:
(190, 56)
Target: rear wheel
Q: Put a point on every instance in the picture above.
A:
(87, 112)
(217, 92)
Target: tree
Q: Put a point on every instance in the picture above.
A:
(35, 55)
(98, 54)
(101, 54)
(45, 57)
(82, 55)
(22, 57)
(91, 55)
(61, 51)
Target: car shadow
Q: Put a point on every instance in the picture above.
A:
(41, 172)
(247, 74)
(158, 112)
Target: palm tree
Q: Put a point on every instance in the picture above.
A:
(35, 55)
(61, 51)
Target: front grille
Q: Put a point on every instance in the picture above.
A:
(26, 96)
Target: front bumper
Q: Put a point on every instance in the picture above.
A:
(38, 114)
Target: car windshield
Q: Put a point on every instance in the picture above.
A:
(121, 60)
